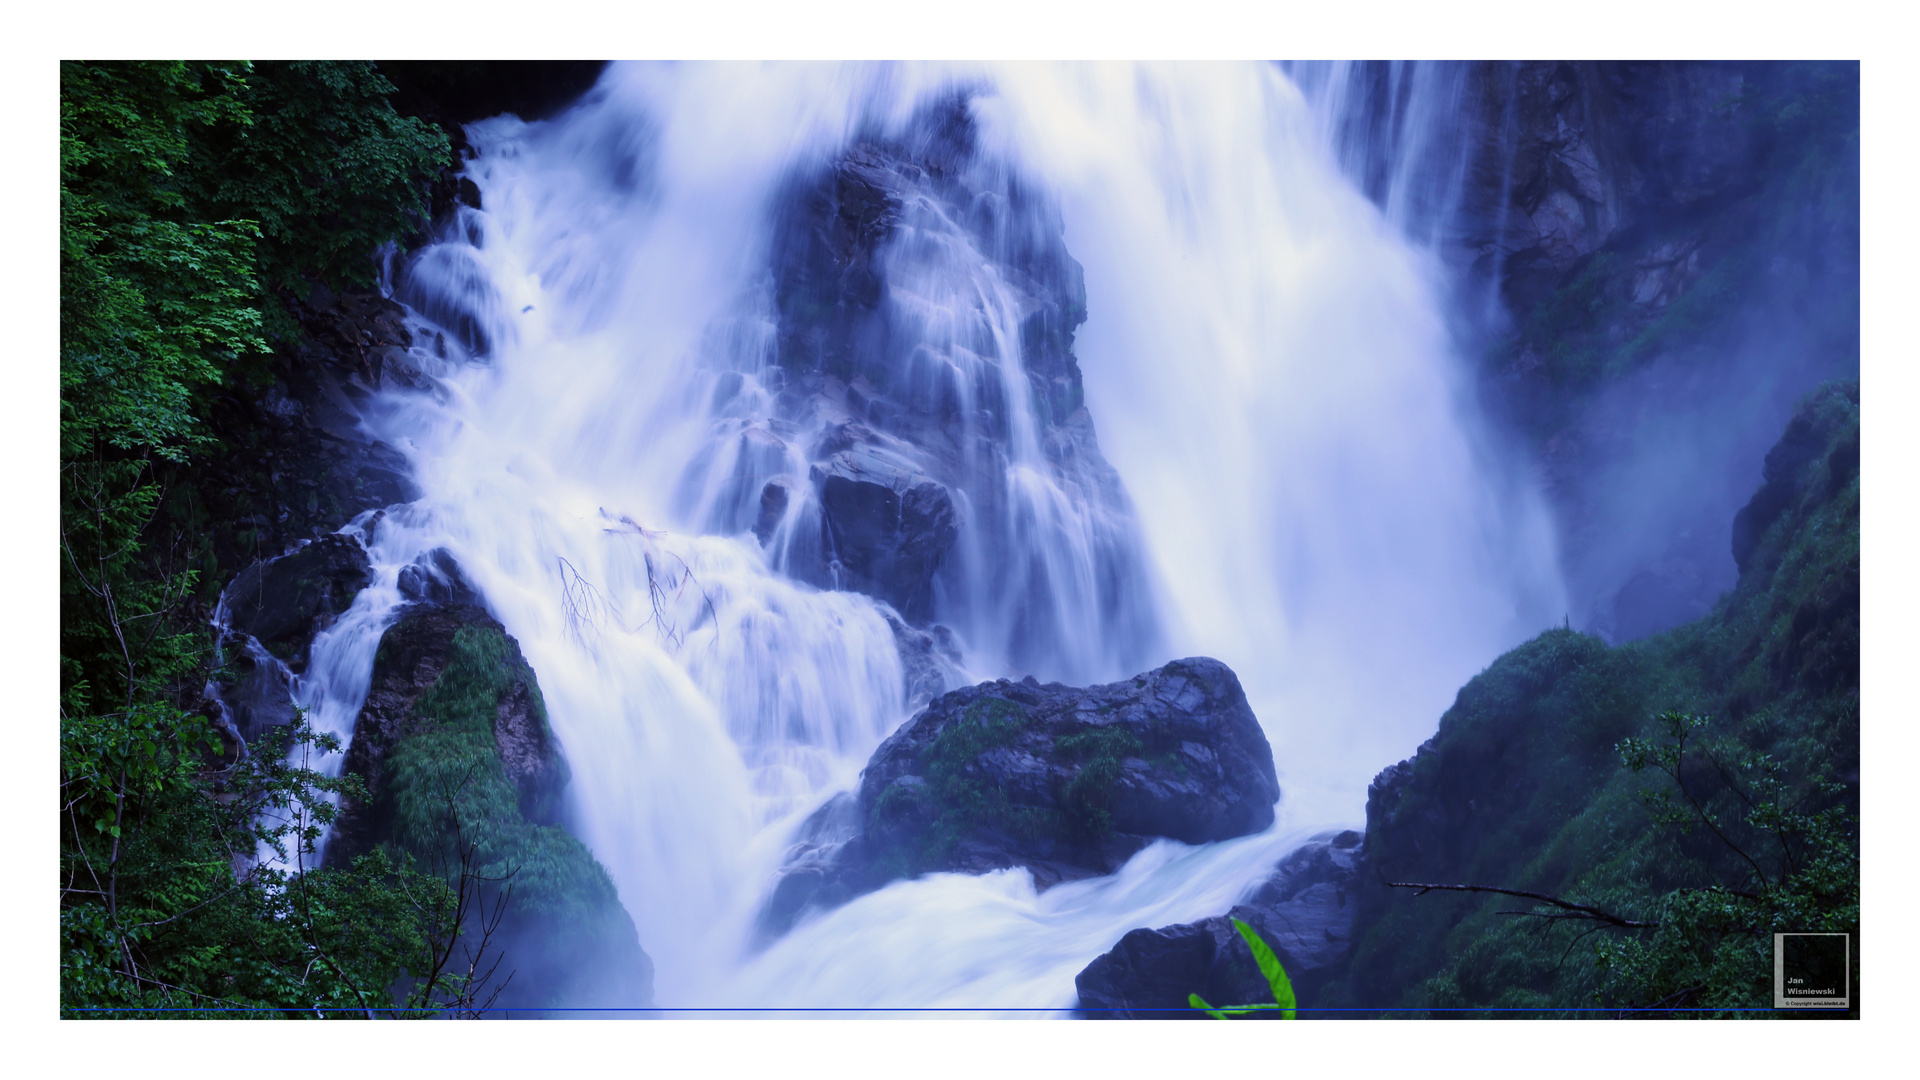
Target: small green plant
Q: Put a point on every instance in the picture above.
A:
(1270, 967)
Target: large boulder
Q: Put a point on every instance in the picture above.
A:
(1304, 911)
(283, 602)
(455, 751)
(1068, 782)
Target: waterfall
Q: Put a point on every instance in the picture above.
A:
(1287, 475)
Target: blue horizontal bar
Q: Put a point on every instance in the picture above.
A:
(859, 1009)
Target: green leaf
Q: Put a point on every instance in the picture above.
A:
(1198, 1002)
(1270, 967)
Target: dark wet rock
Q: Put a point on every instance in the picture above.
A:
(295, 462)
(888, 525)
(1304, 911)
(930, 661)
(811, 876)
(1068, 782)
(436, 578)
(1148, 975)
(283, 602)
(1578, 154)
(774, 498)
(254, 686)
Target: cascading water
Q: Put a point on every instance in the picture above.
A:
(619, 455)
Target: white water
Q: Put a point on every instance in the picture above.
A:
(1265, 362)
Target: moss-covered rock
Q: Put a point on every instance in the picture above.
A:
(455, 750)
(1068, 782)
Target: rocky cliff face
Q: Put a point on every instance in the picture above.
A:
(906, 276)
(1067, 782)
(1654, 261)
(1677, 248)
(1581, 153)
(295, 463)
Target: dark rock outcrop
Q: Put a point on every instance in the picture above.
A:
(436, 578)
(1304, 911)
(252, 691)
(1585, 151)
(888, 524)
(930, 662)
(283, 602)
(294, 463)
(897, 394)
(1067, 782)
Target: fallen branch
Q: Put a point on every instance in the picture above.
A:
(1575, 911)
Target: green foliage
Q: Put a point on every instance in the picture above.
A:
(1270, 968)
(325, 167)
(155, 298)
(167, 905)
(187, 190)
(1797, 871)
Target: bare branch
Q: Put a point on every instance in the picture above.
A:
(1576, 911)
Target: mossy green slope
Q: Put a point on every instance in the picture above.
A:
(1523, 787)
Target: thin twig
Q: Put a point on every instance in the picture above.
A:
(1585, 911)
